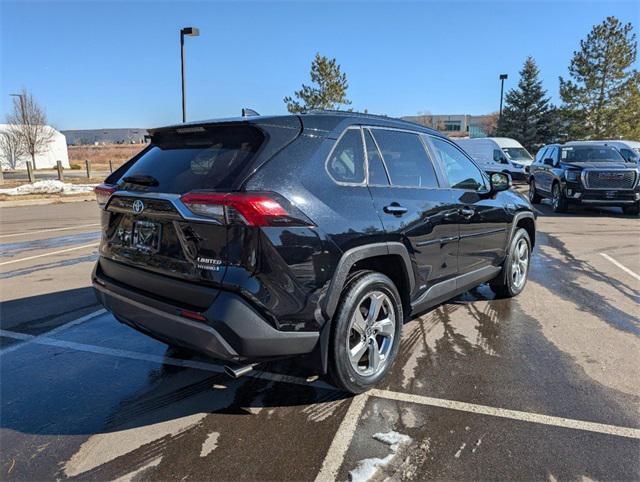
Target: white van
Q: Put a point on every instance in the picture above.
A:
(499, 154)
(630, 150)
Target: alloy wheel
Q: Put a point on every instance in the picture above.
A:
(371, 332)
(520, 264)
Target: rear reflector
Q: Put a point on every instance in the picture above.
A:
(103, 193)
(253, 209)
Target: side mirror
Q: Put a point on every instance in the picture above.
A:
(548, 162)
(500, 181)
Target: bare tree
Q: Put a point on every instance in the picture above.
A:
(30, 120)
(12, 147)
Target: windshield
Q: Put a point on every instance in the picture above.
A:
(590, 153)
(517, 153)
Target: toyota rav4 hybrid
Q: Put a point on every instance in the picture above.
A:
(585, 173)
(314, 235)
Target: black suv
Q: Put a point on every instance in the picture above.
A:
(584, 173)
(319, 234)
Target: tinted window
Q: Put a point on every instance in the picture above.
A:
(590, 153)
(210, 158)
(540, 154)
(346, 163)
(406, 159)
(461, 172)
(377, 173)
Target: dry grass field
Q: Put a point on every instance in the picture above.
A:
(101, 155)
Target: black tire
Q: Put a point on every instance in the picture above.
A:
(558, 201)
(504, 286)
(362, 286)
(534, 197)
(633, 210)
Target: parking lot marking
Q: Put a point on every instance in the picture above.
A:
(55, 331)
(49, 254)
(26, 233)
(603, 428)
(134, 355)
(531, 417)
(342, 439)
(621, 266)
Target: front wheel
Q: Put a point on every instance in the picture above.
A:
(366, 332)
(515, 270)
(559, 202)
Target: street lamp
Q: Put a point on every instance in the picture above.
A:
(503, 77)
(189, 32)
(21, 105)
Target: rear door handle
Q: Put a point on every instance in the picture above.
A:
(467, 212)
(395, 209)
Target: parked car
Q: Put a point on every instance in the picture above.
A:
(585, 173)
(630, 150)
(499, 154)
(319, 234)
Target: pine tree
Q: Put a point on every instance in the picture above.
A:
(597, 100)
(329, 91)
(528, 115)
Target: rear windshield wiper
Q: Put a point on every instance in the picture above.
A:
(142, 179)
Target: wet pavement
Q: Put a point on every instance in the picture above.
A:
(543, 386)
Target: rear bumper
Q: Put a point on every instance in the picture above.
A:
(233, 330)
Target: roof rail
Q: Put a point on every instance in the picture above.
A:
(347, 112)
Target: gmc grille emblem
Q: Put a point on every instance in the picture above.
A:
(611, 176)
(138, 206)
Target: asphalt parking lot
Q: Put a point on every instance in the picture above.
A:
(543, 386)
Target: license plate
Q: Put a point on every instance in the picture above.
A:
(146, 236)
(610, 194)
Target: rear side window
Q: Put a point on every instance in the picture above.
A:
(406, 159)
(346, 162)
(377, 173)
(208, 158)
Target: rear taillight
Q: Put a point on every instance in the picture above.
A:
(252, 209)
(103, 193)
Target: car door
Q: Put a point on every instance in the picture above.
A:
(537, 167)
(414, 209)
(482, 219)
(548, 169)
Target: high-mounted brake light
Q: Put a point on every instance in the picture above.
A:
(253, 209)
(103, 193)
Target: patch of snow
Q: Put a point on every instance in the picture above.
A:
(367, 468)
(210, 444)
(48, 187)
(135, 475)
(459, 452)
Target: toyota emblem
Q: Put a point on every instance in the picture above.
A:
(138, 206)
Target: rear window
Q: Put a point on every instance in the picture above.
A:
(183, 160)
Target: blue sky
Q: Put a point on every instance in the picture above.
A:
(116, 64)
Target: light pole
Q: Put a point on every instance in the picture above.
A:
(21, 105)
(503, 77)
(189, 32)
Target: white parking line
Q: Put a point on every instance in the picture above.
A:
(342, 439)
(621, 266)
(49, 254)
(55, 331)
(26, 233)
(511, 414)
(348, 427)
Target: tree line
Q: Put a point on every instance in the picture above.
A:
(600, 97)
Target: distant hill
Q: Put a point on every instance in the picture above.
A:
(79, 137)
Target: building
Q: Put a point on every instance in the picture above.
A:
(455, 125)
(55, 151)
(80, 137)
